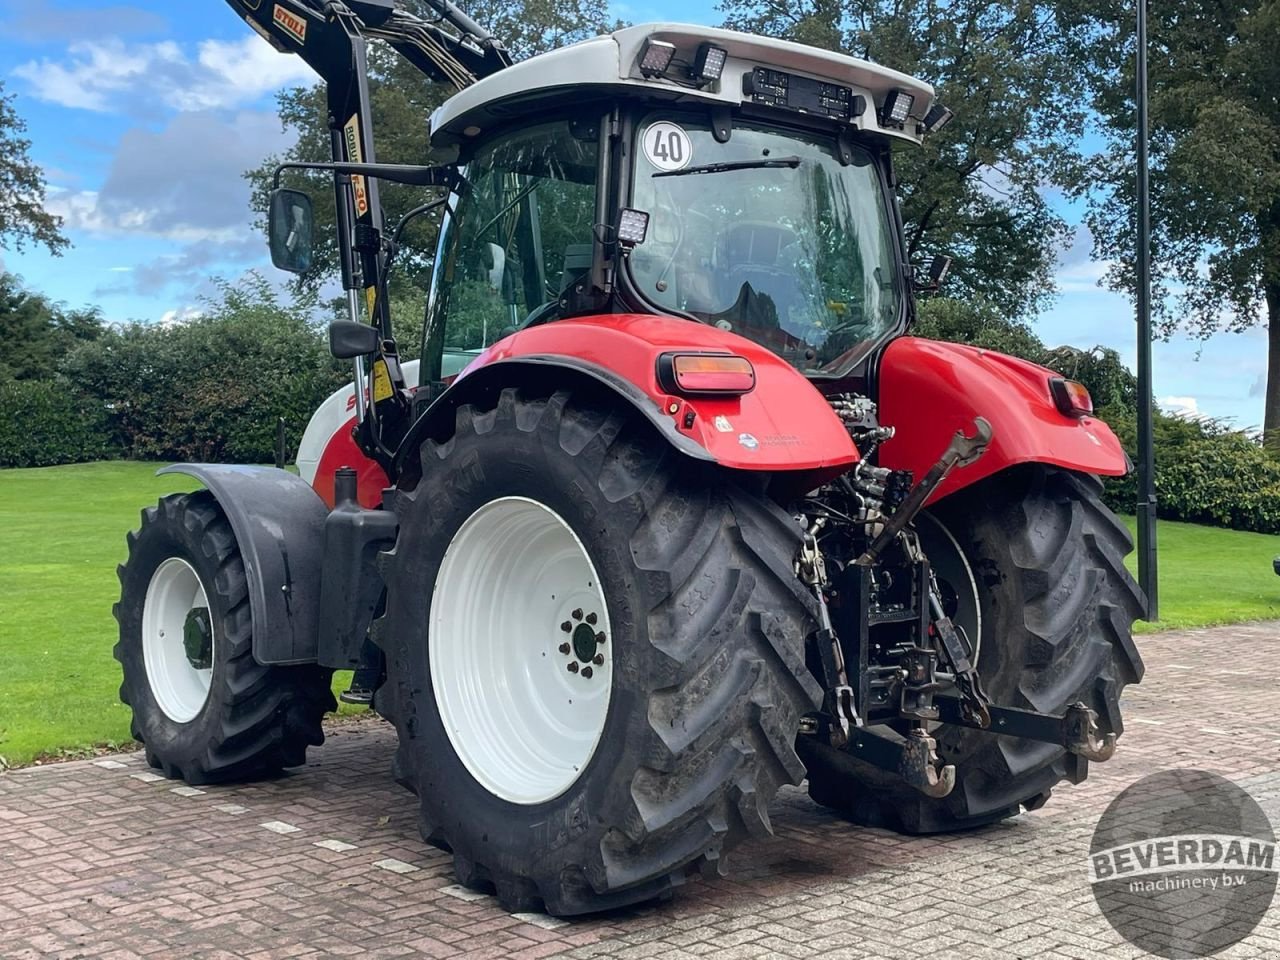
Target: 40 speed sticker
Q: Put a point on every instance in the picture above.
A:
(667, 146)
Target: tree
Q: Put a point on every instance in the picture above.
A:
(1111, 384)
(35, 333)
(1215, 165)
(402, 100)
(23, 218)
(974, 191)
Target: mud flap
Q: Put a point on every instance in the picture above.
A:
(278, 521)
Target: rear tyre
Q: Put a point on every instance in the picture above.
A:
(1055, 605)
(595, 655)
(204, 709)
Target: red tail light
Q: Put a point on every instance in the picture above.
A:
(705, 373)
(1071, 398)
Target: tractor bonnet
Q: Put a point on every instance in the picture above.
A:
(634, 62)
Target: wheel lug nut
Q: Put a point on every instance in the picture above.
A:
(598, 659)
(577, 614)
(586, 672)
(600, 637)
(564, 648)
(591, 619)
(567, 627)
(573, 666)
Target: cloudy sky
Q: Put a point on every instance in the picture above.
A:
(145, 115)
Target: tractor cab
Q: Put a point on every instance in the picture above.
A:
(732, 180)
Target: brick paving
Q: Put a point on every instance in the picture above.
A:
(102, 859)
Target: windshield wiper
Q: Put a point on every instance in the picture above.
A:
(724, 165)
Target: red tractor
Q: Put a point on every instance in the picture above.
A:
(670, 511)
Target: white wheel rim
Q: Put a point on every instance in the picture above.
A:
(180, 687)
(523, 716)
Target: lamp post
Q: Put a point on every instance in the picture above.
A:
(1147, 577)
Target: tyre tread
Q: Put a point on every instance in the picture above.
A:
(269, 715)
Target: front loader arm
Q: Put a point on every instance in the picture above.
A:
(332, 38)
(320, 31)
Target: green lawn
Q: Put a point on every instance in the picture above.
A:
(1210, 576)
(62, 533)
(61, 536)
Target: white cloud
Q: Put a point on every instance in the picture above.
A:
(1081, 277)
(245, 69)
(179, 316)
(109, 75)
(95, 70)
(83, 210)
(1179, 406)
(183, 182)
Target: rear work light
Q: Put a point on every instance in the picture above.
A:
(1071, 398)
(897, 104)
(708, 62)
(656, 56)
(691, 373)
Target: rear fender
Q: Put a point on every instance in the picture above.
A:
(486, 383)
(783, 425)
(928, 390)
(278, 521)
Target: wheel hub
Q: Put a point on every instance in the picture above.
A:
(197, 639)
(585, 640)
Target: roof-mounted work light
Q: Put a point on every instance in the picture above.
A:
(937, 118)
(708, 62)
(896, 106)
(656, 57)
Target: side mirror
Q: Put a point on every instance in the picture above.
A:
(289, 228)
(939, 267)
(348, 339)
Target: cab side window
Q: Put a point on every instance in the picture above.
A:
(518, 234)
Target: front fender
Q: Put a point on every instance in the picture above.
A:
(784, 424)
(928, 390)
(278, 521)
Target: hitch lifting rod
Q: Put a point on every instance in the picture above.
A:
(961, 451)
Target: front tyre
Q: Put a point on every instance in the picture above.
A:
(1030, 563)
(203, 708)
(594, 654)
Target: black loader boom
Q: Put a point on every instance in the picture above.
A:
(332, 37)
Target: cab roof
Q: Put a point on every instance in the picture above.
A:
(609, 65)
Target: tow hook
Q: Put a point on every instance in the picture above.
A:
(921, 768)
(914, 758)
(1081, 724)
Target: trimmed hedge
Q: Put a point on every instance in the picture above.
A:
(1205, 473)
(48, 422)
(212, 387)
